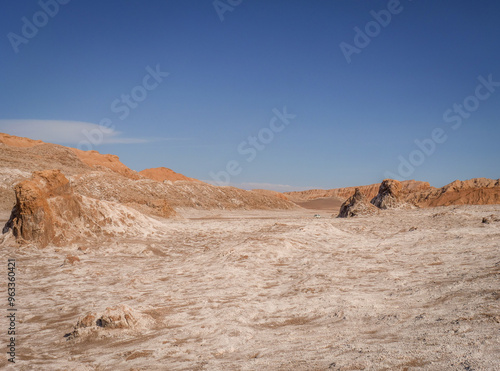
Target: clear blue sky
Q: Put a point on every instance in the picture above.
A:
(354, 121)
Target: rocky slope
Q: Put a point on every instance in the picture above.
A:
(94, 188)
(161, 174)
(478, 191)
(271, 193)
(34, 155)
(105, 177)
(369, 191)
(49, 211)
(181, 194)
(96, 160)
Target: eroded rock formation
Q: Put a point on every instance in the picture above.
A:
(477, 191)
(49, 211)
(40, 202)
(356, 205)
(389, 195)
(370, 191)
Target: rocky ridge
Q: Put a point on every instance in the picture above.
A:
(90, 194)
(49, 211)
(477, 191)
(370, 191)
(162, 174)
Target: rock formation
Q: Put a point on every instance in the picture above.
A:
(370, 191)
(38, 203)
(49, 211)
(158, 191)
(13, 141)
(389, 195)
(356, 205)
(105, 178)
(477, 191)
(119, 317)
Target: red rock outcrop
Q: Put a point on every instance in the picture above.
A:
(13, 141)
(112, 162)
(356, 205)
(477, 191)
(39, 202)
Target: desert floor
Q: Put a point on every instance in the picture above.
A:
(271, 291)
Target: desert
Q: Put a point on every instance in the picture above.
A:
(275, 185)
(243, 280)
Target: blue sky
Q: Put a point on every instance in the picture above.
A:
(232, 68)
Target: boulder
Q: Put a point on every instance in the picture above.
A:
(118, 317)
(356, 205)
(490, 219)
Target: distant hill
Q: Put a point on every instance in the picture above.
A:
(369, 191)
(104, 177)
(160, 174)
(477, 191)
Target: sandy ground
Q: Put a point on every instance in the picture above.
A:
(323, 204)
(272, 291)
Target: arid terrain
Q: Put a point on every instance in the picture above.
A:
(152, 270)
(274, 290)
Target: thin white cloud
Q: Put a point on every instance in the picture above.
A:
(67, 132)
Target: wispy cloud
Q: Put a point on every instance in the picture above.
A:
(67, 132)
